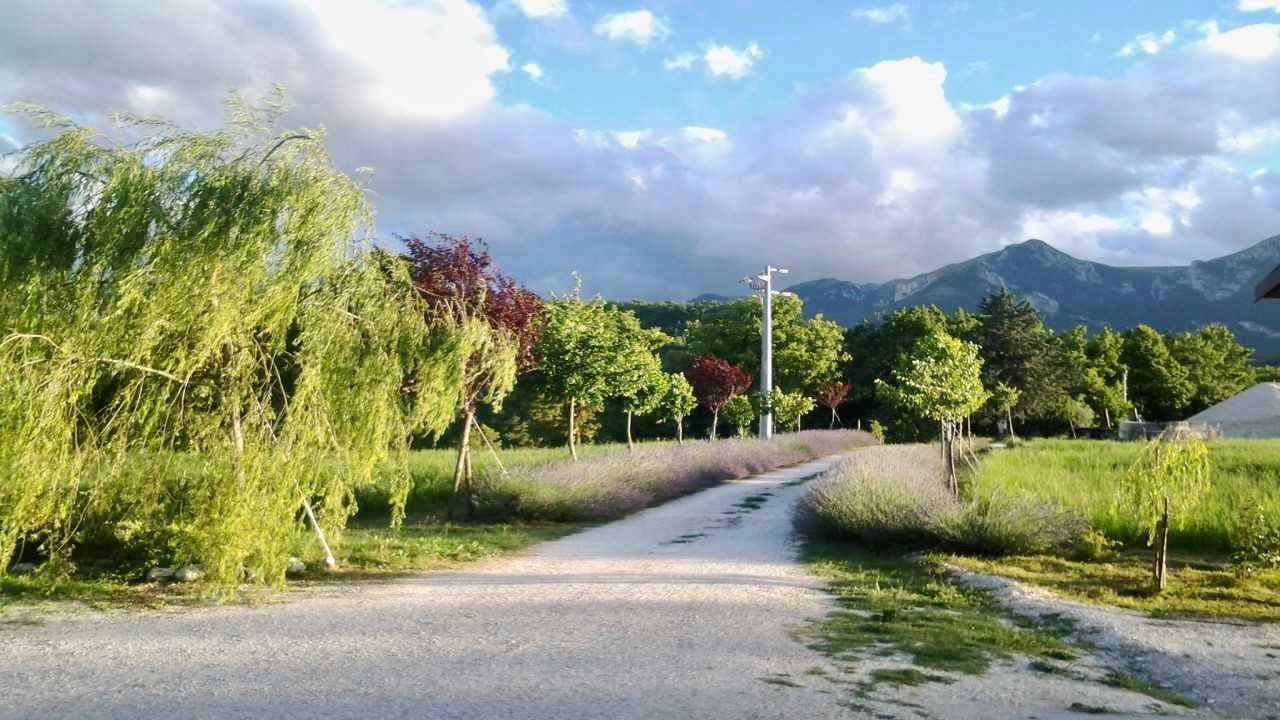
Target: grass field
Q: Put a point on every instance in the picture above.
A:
(1084, 475)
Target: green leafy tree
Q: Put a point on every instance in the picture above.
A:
(806, 353)
(1019, 351)
(940, 380)
(1077, 413)
(1171, 474)
(194, 325)
(790, 407)
(1158, 384)
(1217, 366)
(740, 412)
(880, 347)
(1003, 399)
(639, 381)
(577, 355)
(678, 401)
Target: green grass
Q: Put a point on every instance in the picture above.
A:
(1198, 586)
(432, 473)
(368, 552)
(1084, 475)
(893, 606)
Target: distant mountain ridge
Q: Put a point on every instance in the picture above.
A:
(1069, 291)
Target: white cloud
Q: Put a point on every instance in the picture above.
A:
(533, 70)
(389, 46)
(540, 9)
(704, 134)
(871, 175)
(1258, 5)
(1251, 43)
(683, 61)
(726, 61)
(1148, 44)
(895, 14)
(637, 26)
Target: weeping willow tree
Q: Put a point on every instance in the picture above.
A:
(196, 340)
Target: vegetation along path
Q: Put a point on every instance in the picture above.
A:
(684, 610)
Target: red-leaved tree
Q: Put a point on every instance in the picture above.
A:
(715, 382)
(831, 395)
(456, 277)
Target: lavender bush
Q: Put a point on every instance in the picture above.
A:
(895, 496)
(617, 484)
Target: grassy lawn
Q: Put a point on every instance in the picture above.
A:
(893, 606)
(1198, 586)
(1084, 475)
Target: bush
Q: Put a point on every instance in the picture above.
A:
(1257, 542)
(897, 496)
(614, 485)
(880, 497)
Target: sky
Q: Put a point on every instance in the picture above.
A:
(667, 148)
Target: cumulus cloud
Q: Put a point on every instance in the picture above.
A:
(1251, 43)
(730, 62)
(540, 9)
(1258, 6)
(895, 14)
(533, 70)
(1148, 44)
(871, 175)
(637, 26)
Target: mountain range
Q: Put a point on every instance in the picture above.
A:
(1068, 291)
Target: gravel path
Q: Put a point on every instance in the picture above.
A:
(681, 611)
(1230, 668)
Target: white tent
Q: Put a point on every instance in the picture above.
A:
(1253, 413)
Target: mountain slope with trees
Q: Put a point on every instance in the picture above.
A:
(1069, 292)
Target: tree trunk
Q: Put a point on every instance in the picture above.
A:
(1106, 413)
(950, 446)
(1009, 417)
(1160, 549)
(1072, 425)
(715, 420)
(460, 500)
(573, 430)
(832, 425)
(680, 430)
(630, 444)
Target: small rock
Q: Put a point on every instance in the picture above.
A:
(159, 574)
(295, 567)
(188, 573)
(22, 568)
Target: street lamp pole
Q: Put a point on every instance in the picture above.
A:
(764, 284)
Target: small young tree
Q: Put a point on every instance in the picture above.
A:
(831, 395)
(678, 401)
(942, 380)
(637, 378)
(576, 355)
(1003, 399)
(716, 382)
(789, 407)
(456, 278)
(740, 413)
(1171, 473)
(1077, 414)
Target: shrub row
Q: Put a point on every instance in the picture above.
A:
(614, 485)
(895, 496)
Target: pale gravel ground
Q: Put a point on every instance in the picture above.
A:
(615, 622)
(1230, 668)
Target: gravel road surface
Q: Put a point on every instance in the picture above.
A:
(681, 611)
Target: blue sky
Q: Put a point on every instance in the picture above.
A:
(988, 48)
(665, 149)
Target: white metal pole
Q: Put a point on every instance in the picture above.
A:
(766, 356)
